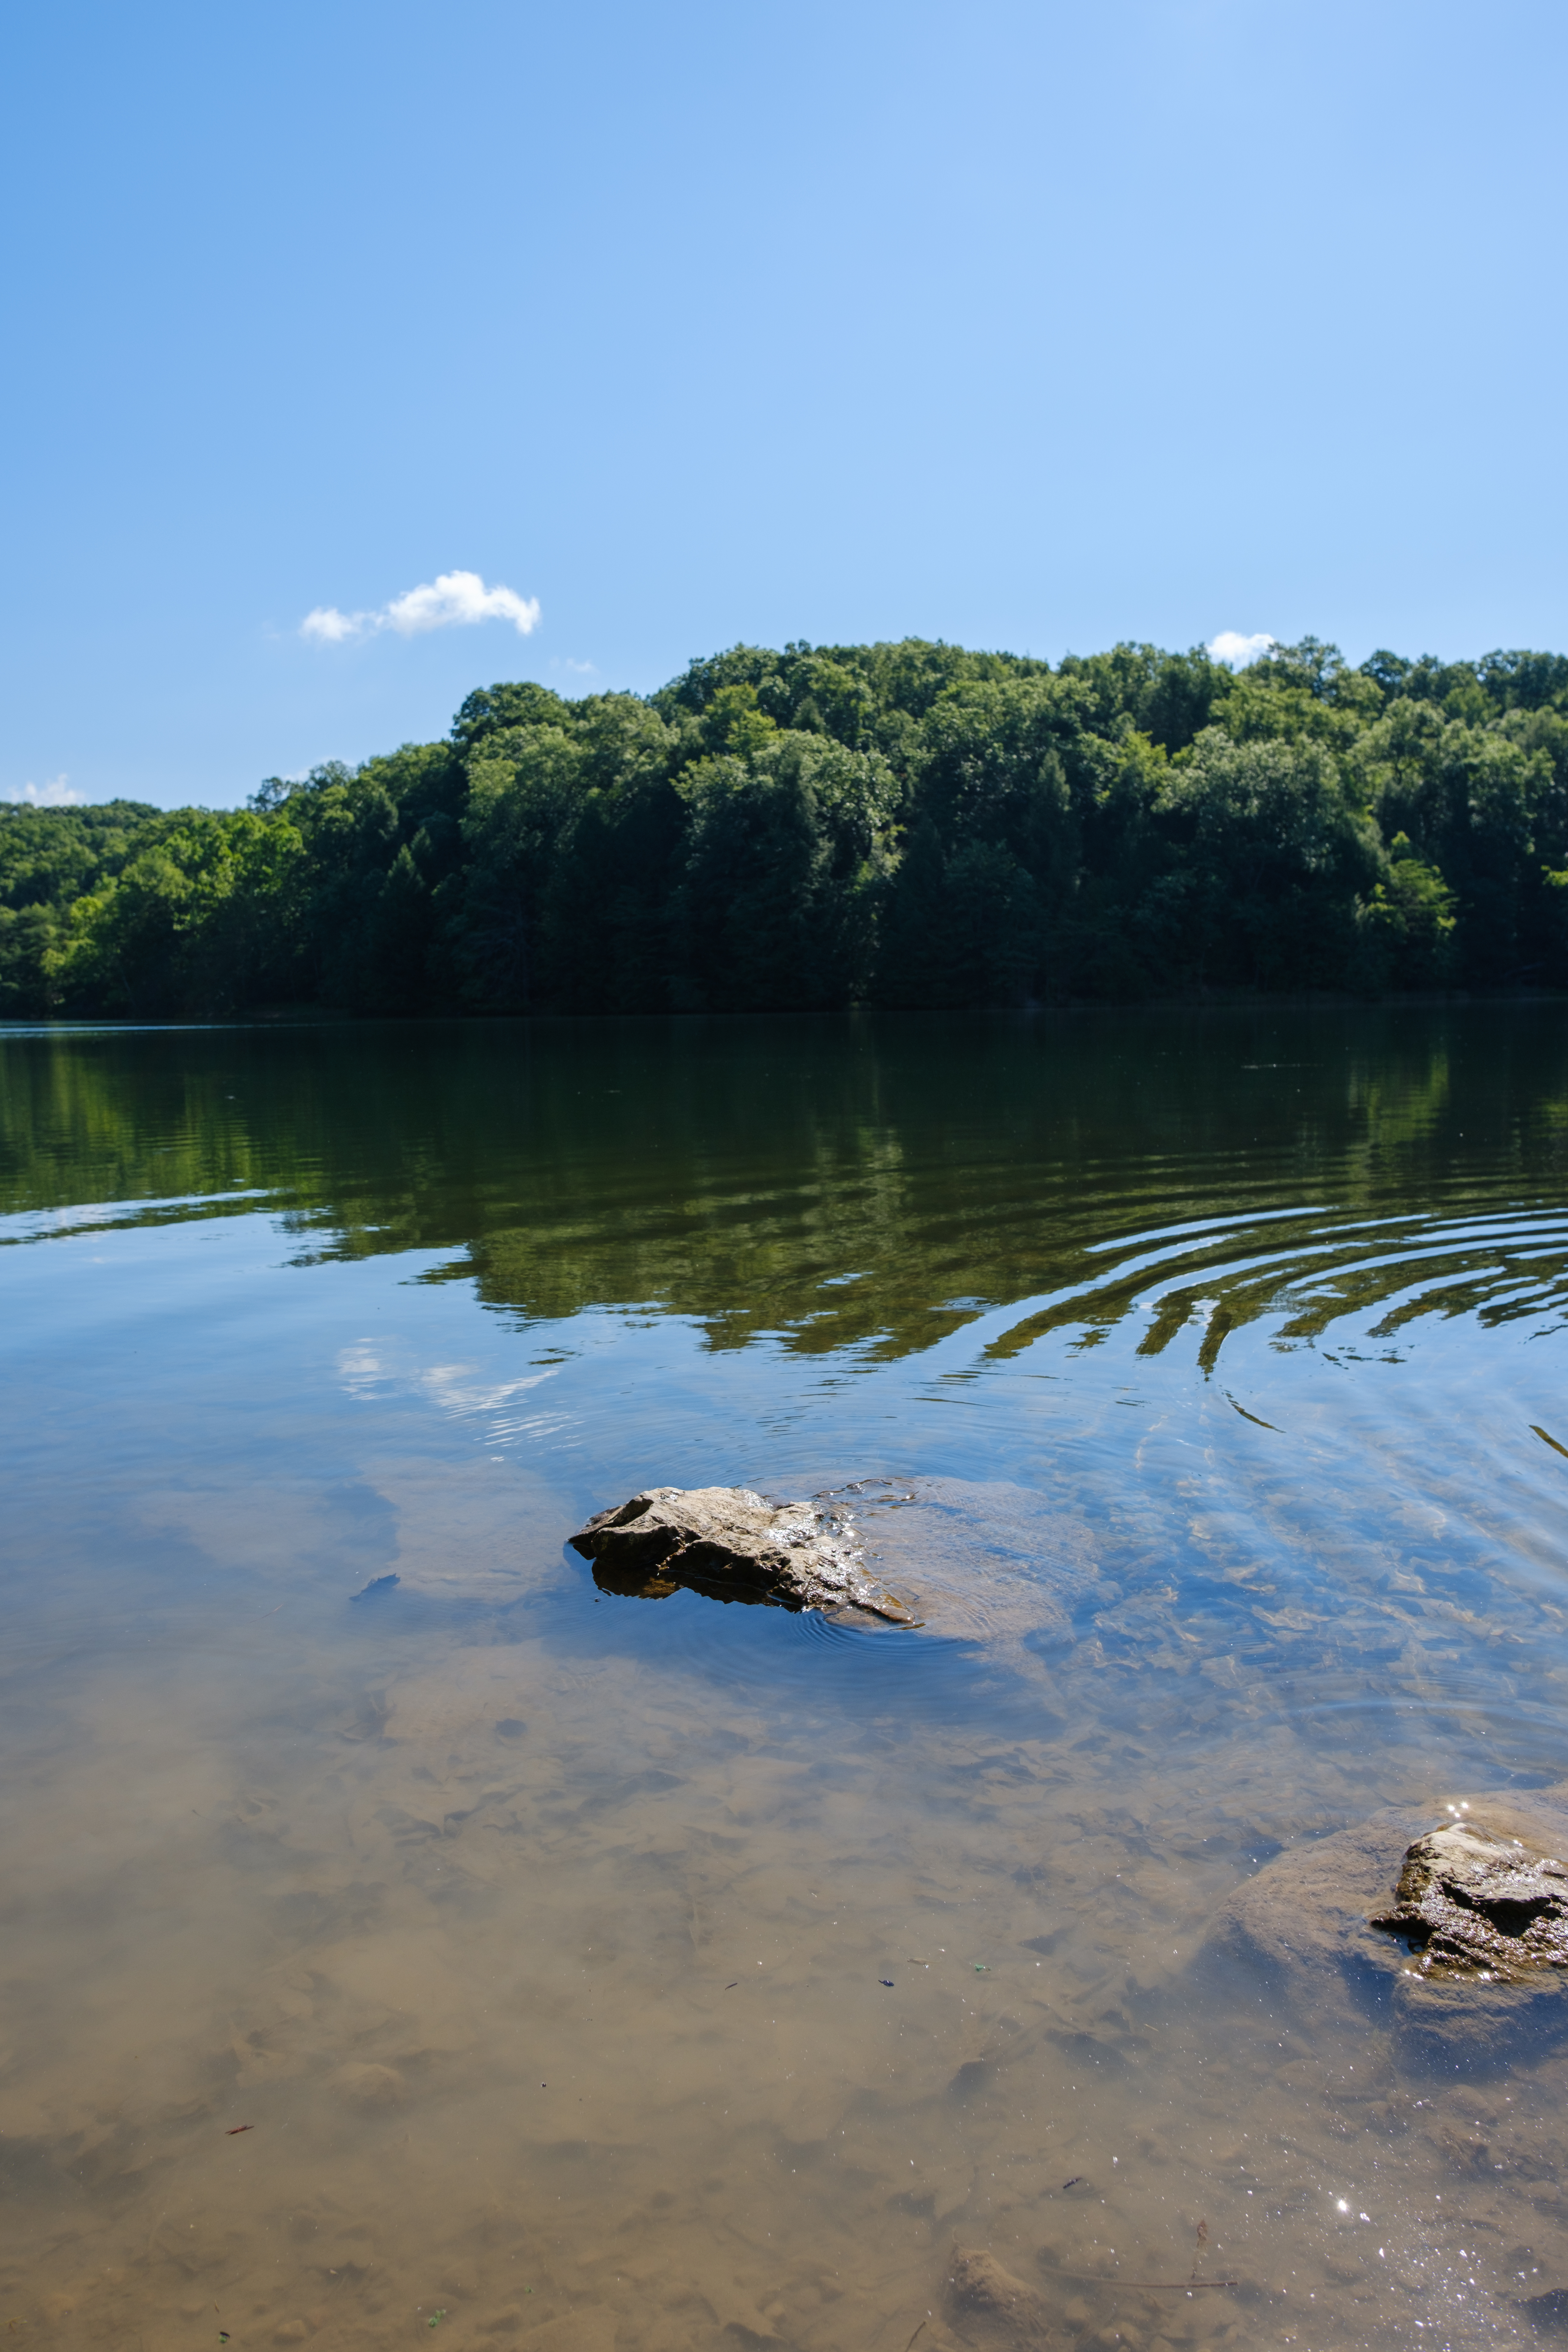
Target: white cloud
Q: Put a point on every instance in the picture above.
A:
(329, 627)
(454, 600)
(1231, 646)
(56, 793)
(458, 598)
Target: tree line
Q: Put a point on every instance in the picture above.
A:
(907, 824)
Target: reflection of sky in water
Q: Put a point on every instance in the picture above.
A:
(1230, 1397)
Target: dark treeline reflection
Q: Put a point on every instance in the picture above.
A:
(863, 1181)
(905, 825)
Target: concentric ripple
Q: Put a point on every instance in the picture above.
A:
(1309, 1271)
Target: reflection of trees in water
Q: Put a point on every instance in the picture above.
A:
(870, 1185)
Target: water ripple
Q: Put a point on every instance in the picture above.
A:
(1308, 1271)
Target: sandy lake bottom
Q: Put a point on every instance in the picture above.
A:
(406, 1939)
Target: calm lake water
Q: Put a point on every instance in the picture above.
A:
(403, 1933)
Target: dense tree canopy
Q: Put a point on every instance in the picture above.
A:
(904, 824)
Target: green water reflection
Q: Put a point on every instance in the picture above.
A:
(611, 1977)
(866, 1185)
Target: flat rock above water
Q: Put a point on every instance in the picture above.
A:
(989, 1562)
(730, 1542)
(1471, 1902)
(1320, 1920)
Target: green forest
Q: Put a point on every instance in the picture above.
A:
(904, 824)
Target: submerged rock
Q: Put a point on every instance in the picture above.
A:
(986, 2303)
(727, 1541)
(1472, 1902)
(1481, 1908)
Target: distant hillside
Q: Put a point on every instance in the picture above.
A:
(899, 825)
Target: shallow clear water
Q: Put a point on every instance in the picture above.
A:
(598, 1972)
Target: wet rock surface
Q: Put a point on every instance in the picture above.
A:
(736, 1544)
(1470, 1902)
(1319, 1923)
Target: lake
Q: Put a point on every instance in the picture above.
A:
(406, 1934)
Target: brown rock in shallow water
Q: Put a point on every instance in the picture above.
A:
(728, 1541)
(1317, 1922)
(1472, 1902)
(987, 2304)
(367, 2086)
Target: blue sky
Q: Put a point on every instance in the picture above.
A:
(1030, 326)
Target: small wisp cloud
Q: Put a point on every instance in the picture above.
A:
(58, 793)
(1231, 647)
(454, 600)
